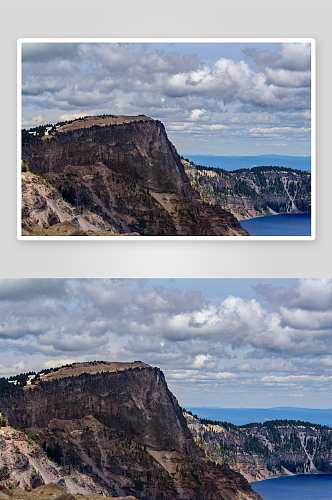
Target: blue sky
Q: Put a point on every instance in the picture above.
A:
(220, 342)
(213, 98)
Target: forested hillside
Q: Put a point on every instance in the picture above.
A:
(270, 449)
(252, 192)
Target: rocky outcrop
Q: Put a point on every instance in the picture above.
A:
(123, 175)
(124, 426)
(43, 205)
(24, 464)
(101, 204)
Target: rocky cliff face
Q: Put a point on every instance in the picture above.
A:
(133, 401)
(263, 451)
(24, 464)
(123, 426)
(121, 174)
(138, 149)
(252, 192)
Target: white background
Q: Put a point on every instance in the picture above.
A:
(160, 18)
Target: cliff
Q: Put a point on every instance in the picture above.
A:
(137, 148)
(120, 424)
(264, 451)
(133, 401)
(120, 174)
(254, 192)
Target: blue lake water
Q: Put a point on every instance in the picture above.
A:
(279, 225)
(241, 416)
(236, 162)
(302, 487)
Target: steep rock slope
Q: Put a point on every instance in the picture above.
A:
(263, 451)
(125, 171)
(23, 463)
(252, 192)
(42, 205)
(122, 424)
(138, 149)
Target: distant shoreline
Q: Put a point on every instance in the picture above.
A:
(243, 416)
(291, 474)
(287, 224)
(233, 162)
(280, 213)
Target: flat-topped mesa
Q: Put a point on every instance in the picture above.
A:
(120, 174)
(101, 121)
(132, 398)
(134, 146)
(91, 367)
(119, 424)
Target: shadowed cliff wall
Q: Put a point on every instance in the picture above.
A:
(139, 150)
(135, 401)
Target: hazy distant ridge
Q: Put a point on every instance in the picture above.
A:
(235, 162)
(242, 416)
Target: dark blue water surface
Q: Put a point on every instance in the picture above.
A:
(236, 162)
(279, 225)
(241, 416)
(303, 487)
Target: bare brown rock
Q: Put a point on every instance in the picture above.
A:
(119, 424)
(138, 149)
(119, 174)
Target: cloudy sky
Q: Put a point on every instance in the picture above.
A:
(214, 98)
(220, 342)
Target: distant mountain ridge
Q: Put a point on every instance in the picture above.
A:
(242, 416)
(234, 162)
